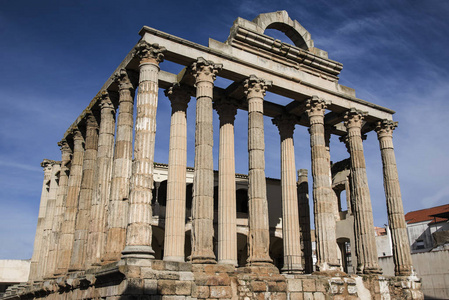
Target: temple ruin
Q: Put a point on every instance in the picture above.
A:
(101, 209)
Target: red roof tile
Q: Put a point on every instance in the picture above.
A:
(427, 214)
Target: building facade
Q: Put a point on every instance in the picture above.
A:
(97, 234)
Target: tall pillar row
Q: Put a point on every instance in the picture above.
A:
(227, 211)
(47, 236)
(203, 184)
(323, 195)
(401, 247)
(102, 179)
(290, 218)
(366, 249)
(59, 210)
(259, 231)
(175, 213)
(117, 218)
(304, 220)
(47, 165)
(65, 243)
(139, 231)
(78, 257)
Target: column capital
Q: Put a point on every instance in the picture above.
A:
(91, 120)
(179, 96)
(385, 128)
(205, 70)
(48, 163)
(285, 124)
(354, 118)
(76, 134)
(150, 53)
(64, 145)
(123, 80)
(105, 101)
(255, 87)
(315, 107)
(226, 109)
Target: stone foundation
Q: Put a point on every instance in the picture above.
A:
(144, 279)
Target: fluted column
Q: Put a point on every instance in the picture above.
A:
(335, 208)
(175, 213)
(47, 238)
(102, 180)
(47, 165)
(401, 248)
(366, 250)
(227, 211)
(304, 220)
(139, 231)
(121, 171)
(323, 195)
(290, 219)
(78, 259)
(65, 243)
(61, 195)
(259, 230)
(203, 183)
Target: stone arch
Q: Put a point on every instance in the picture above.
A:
(280, 20)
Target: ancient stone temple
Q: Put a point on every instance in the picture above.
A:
(113, 224)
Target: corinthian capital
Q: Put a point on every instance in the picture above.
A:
(255, 87)
(285, 124)
(105, 101)
(150, 52)
(64, 146)
(123, 79)
(226, 109)
(179, 96)
(205, 70)
(354, 118)
(76, 134)
(385, 128)
(316, 106)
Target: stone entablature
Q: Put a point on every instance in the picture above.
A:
(114, 256)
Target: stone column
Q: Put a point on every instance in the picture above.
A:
(121, 171)
(335, 208)
(323, 195)
(139, 231)
(47, 238)
(366, 250)
(227, 210)
(38, 243)
(203, 183)
(259, 231)
(78, 259)
(66, 157)
(65, 243)
(304, 220)
(102, 179)
(290, 218)
(175, 213)
(401, 248)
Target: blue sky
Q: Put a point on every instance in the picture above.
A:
(56, 55)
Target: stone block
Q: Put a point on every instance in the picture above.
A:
(166, 287)
(149, 286)
(258, 286)
(278, 296)
(319, 296)
(294, 285)
(135, 286)
(308, 296)
(158, 265)
(309, 285)
(183, 287)
(147, 273)
(200, 291)
(279, 287)
(186, 276)
(173, 297)
(220, 292)
(296, 296)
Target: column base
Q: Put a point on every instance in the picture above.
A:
(292, 269)
(139, 252)
(259, 261)
(228, 262)
(174, 258)
(203, 257)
